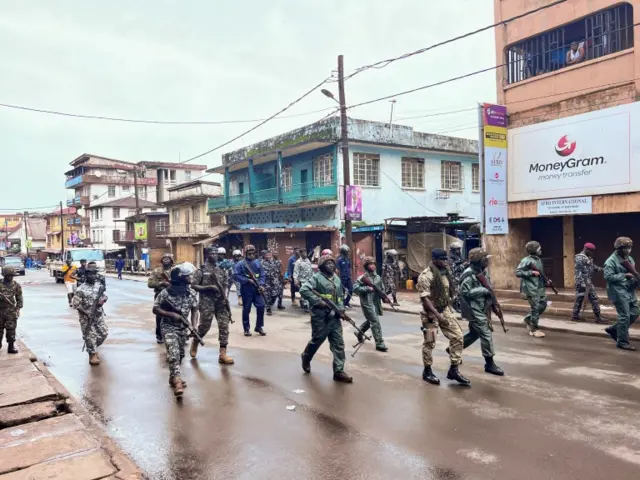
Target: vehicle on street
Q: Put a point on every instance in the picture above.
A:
(75, 255)
(15, 262)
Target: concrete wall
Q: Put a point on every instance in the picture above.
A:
(507, 251)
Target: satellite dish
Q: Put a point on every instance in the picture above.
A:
(98, 174)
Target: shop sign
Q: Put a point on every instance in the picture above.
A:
(564, 206)
(353, 202)
(493, 159)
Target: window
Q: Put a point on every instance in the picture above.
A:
(450, 175)
(412, 172)
(125, 189)
(142, 192)
(475, 177)
(602, 33)
(187, 175)
(172, 177)
(287, 178)
(323, 170)
(195, 214)
(111, 190)
(366, 169)
(131, 212)
(116, 212)
(175, 215)
(161, 226)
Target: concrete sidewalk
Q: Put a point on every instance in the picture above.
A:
(46, 434)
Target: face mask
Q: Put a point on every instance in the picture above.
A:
(371, 267)
(330, 267)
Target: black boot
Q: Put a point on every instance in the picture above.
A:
(395, 300)
(429, 377)
(491, 367)
(382, 348)
(269, 312)
(281, 306)
(621, 346)
(613, 332)
(12, 348)
(342, 377)
(261, 331)
(454, 374)
(600, 320)
(306, 364)
(247, 333)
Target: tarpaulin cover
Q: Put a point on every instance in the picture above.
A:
(420, 246)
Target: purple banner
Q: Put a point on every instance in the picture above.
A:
(494, 115)
(353, 202)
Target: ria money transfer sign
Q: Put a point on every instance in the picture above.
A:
(494, 169)
(588, 154)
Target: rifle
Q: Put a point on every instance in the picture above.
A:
(385, 298)
(343, 316)
(94, 312)
(252, 278)
(223, 292)
(547, 281)
(194, 333)
(495, 306)
(628, 266)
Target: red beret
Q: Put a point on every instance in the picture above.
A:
(590, 246)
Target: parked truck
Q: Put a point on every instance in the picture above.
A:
(75, 255)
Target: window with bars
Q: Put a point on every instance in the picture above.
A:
(195, 214)
(475, 177)
(175, 215)
(111, 190)
(323, 170)
(412, 172)
(161, 226)
(287, 178)
(451, 175)
(142, 192)
(366, 169)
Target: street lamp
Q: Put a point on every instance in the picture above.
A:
(327, 93)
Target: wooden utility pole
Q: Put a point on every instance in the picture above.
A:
(135, 188)
(62, 231)
(344, 140)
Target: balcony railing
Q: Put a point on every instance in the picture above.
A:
(74, 221)
(300, 193)
(108, 179)
(78, 200)
(187, 229)
(123, 235)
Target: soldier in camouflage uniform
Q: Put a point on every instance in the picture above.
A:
(227, 268)
(621, 290)
(457, 265)
(436, 292)
(10, 306)
(325, 324)
(280, 289)
(371, 303)
(584, 268)
(302, 271)
(532, 287)
(209, 282)
(94, 329)
(178, 297)
(391, 274)
(478, 300)
(272, 281)
(159, 280)
(237, 258)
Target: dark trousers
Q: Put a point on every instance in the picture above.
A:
(347, 284)
(250, 296)
(119, 274)
(158, 319)
(593, 298)
(293, 290)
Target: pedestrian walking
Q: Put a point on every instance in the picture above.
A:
(344, 271)
(584, 269)
(391, 274)
(88, 300)
(370, 302)
(622, 281)
(119, 266)
(208, 281)
(172, 304)
(478, 299)
(70, 279)
(10, 305)
(302, 271)
(436, 292)
(160, 279)
(290, 267)
(272, 281)
(248, 273)
(533, 287)
(325, 324)
(237, 258)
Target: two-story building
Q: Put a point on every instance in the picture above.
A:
(190, 228)
(140, 235)
(285, 192)
(570, 86)
(61, 230)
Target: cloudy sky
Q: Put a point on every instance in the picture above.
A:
(201, 60)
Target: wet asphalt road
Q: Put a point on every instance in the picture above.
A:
(568, 408)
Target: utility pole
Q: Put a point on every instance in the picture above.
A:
(26, 233)
(344, 140)
(61, 231)
(135, 188)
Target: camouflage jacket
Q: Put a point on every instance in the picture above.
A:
(183, 303)
(390, 274)
(302, 270)
(204, 276)
(227, 267)
(584, 269)
(159, 279)
(85, 297)
(272, 276)
(10, 296)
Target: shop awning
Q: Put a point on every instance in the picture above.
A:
(216, 232)
(285, 230)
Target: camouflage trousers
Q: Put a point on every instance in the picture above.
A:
(390, 288)
(175, 338)
(222, 317)
(593, 298)
(8, 322)
(450, 328)
(372, 321)
(94, 333)
(538, 304)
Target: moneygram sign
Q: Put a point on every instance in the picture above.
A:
(587, 154)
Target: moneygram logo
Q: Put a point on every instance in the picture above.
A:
(565, 147)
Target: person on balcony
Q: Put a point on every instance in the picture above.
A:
(575, 54)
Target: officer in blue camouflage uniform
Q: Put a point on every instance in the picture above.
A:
(94, 329)
(391, 274)
(280, 284)
(248, 273)
(302, 271)
(272, 281)
(344, 270)
(179, 296)
(584, 269)
(159, 280)
(10, 306)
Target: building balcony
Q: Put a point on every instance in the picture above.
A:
(187, 230)
(124, 236)
(86, 179)
(78, 201)
(74, 221)
(294, 195)
(85, 221)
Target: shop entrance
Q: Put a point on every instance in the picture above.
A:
(548, 231)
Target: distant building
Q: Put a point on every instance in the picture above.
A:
(54, 227)
(141, 235)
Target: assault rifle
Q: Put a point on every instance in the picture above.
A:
(546, 280)
(168, 306)
(223, 292)
(252, 279)
(343, 316)
(92, 314)
(628, 266)
(385, 298)
(495, 306)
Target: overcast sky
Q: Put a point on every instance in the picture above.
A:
(222, 60)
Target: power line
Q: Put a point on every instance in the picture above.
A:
(414, 198)
(384, 63)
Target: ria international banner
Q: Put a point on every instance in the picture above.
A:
(493, 163)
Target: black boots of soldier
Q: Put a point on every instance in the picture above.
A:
(429, 377)
(342, 377)
(306, 363)
(12, 348)
(454, 374)
(491, 367)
